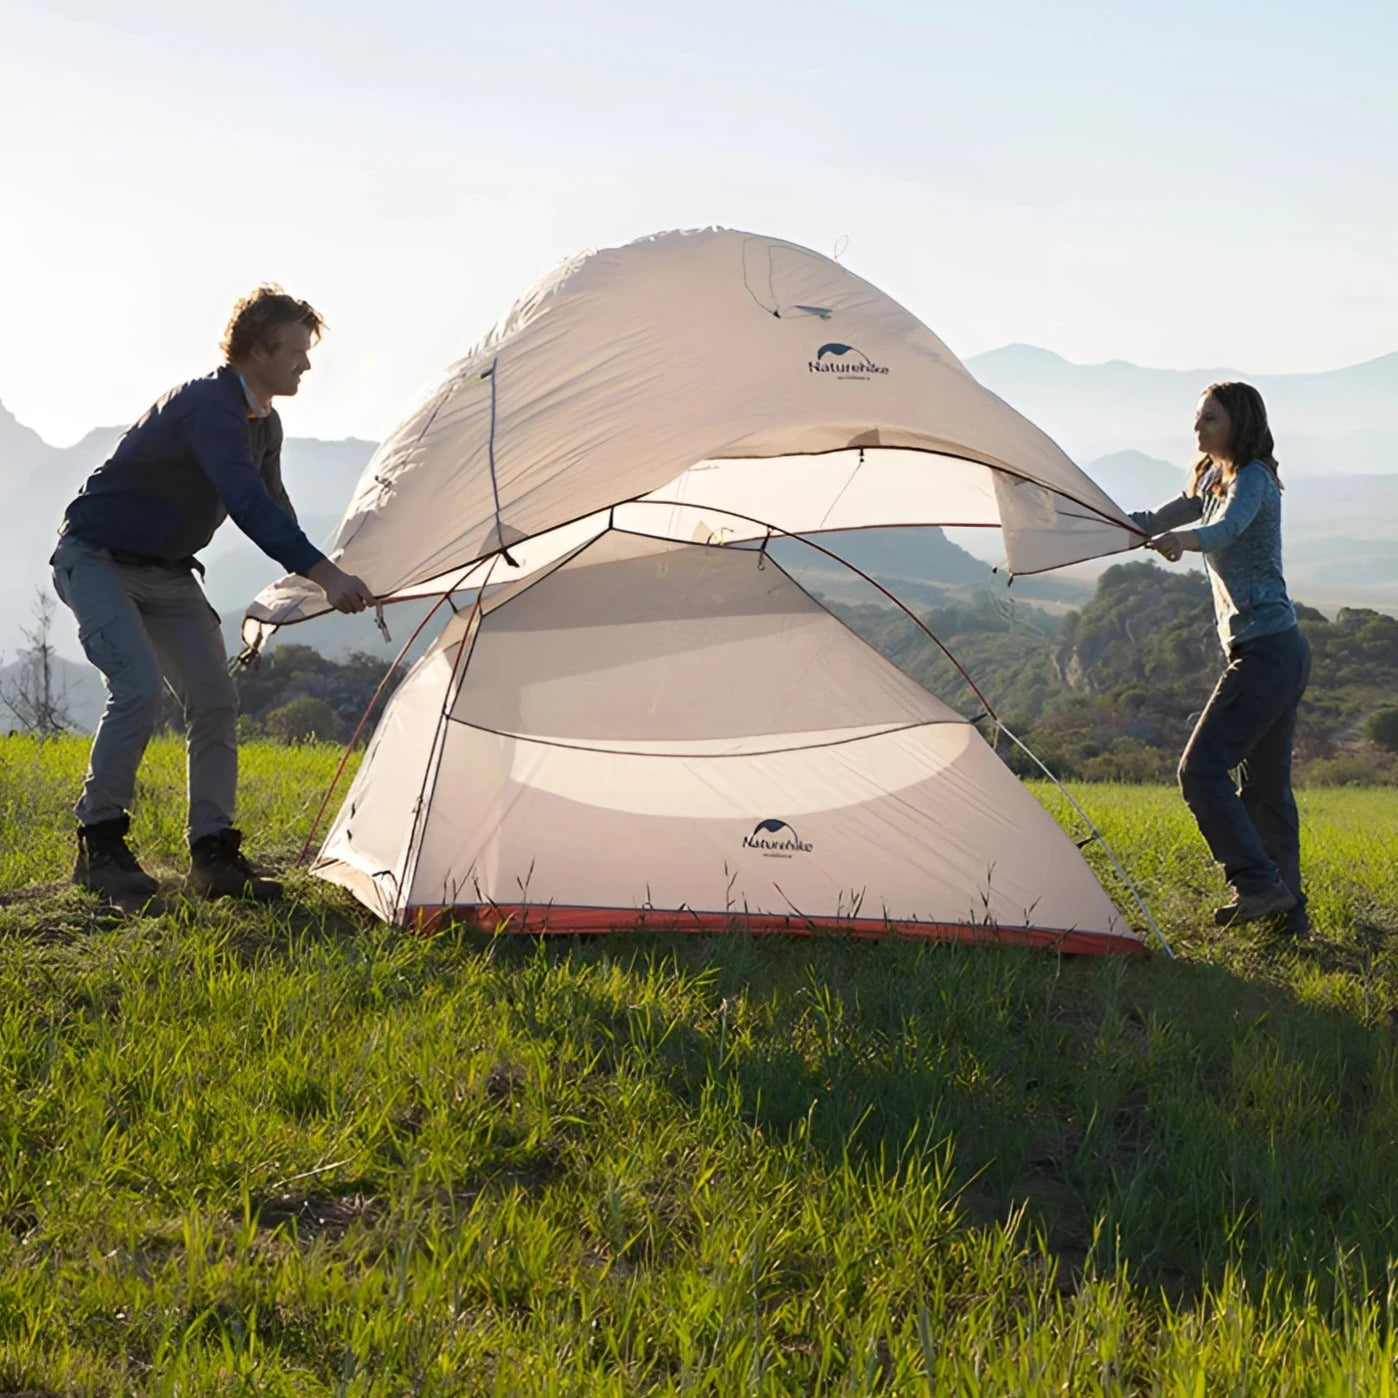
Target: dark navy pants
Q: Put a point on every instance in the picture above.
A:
(1252, 829)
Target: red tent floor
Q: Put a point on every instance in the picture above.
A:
(541, 919)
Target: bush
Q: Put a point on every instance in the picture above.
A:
(1129, 760)
(1382, 728)
(1347, 769)
(303, 720)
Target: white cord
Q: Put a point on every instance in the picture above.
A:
(1097, 835)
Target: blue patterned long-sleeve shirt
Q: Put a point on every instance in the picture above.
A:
(1241, 541)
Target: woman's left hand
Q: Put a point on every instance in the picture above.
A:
(1167, 546)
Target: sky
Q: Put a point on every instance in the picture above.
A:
(1177, 184)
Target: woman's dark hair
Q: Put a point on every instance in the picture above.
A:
(260, 315)
(1250, 438)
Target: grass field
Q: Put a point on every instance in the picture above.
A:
(293, 1152)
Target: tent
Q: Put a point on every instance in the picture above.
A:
(635, 716)
(676, 735)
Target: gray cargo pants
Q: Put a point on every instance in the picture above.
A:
(139, 625)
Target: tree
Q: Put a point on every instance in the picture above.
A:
(303, 720)
(34, 693)
(290, 672)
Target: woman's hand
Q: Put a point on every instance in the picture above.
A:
(1171, 546)
(1167, 546)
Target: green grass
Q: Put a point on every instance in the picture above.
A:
(294, 1152)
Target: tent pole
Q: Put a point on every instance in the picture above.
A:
(434, 758)
(990, 713)
(359, 727)
(844, 563)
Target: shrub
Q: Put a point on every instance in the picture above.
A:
(1382, 728)
(303, 720)
(1129, 760)
(1347, 769)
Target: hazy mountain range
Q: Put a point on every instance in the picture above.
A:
(1130, 426)
(1340, 422)
(1337, 443)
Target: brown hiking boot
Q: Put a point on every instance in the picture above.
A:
(106, 865)
(219, 869)
(1253, 907)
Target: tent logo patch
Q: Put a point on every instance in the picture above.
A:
(776, 839)
(845, 362)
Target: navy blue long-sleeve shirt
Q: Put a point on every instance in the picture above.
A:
(193, 460)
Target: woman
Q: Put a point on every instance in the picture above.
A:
(1250, 719)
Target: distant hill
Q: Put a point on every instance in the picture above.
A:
(1142, 656)
(1342, 421)
(1111, 690)
(1137, 481)
(920, 566)
(21, 449)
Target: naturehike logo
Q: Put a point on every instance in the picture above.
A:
(844, 361)
(778, 846)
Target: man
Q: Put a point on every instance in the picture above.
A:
(125, 566)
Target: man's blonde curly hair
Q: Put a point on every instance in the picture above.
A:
(258, 317)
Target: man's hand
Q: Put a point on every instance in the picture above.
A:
(344, 591)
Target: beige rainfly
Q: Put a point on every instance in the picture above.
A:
(650, 720)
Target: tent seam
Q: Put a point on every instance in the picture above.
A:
(705, 756)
